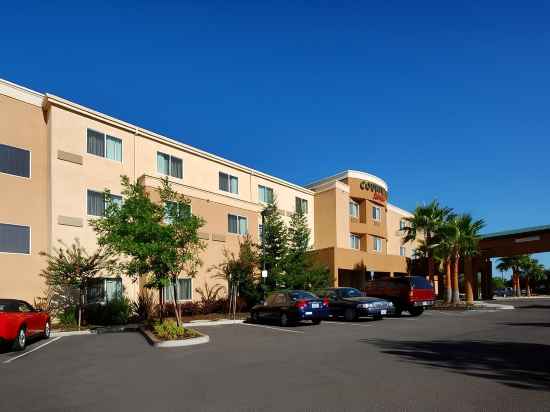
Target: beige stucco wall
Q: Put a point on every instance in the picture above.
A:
(24, 201)
(395, 235)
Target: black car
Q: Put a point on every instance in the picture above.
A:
(287, 307)
(351, 303)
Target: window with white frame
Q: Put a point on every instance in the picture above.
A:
(183, 289)
(301, 205)
(169, 165)
(97, 202)
(102, 290)
(261, 232)
(15, 239)
(237, 224)
(376, 213)
(377, 244)
(402, 251)
(15, 161)
(228, 183)
(175, 209)
(354, 209)
(354, 241)
(265, 194)
(103, 145)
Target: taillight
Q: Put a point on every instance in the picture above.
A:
(325, 301)
(301, 304)
(411, 292)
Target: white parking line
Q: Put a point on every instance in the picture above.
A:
(332, 322)
(271, 327)
(31, 351)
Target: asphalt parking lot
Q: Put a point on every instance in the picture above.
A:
(452, 361)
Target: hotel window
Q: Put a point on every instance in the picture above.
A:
(237, 224)
(376, 213)
(97, 202)
(15, 161)
(265, 194)
(353, 209)
(228, 183)
(354, 241)
(183, 286)
(169, 165)
(103, 290)
(301, 206)
(103, 145)
(377, 244)
(402, 224)
(15, 239)
(402, 251)
(175, 209)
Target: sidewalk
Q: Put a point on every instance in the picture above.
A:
(491, 305)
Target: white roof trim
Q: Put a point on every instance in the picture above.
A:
(350, 174)
(399, 210)
(20, 93)
(59, 101)
(332, 185)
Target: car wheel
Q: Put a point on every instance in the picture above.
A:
(47, 330)
(284, 319)
(416, 311)
(316, 321)
(20, 340)
(255, 317)
(350, 315)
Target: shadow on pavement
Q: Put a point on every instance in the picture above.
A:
(541, 324)
(533, 307)
(520, 365)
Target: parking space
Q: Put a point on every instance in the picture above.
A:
(494, 360)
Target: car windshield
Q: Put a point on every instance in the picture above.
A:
(302, 295)
(351, 293)
(420, 282)
(6, 306)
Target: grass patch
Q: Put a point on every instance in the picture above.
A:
(169, 330)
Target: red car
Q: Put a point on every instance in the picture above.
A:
(411, 293)
(19, 321)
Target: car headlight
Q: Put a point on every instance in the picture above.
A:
(390, 304)
(365, 305)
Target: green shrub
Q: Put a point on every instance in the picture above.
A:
(145, 305)
(114, 312)
(68, 316)
(169, 330)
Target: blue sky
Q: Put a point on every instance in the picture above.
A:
(442, 101)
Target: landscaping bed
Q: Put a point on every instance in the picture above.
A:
(168, 334)
(440, 305)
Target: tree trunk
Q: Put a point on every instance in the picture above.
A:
(527, 285)
(176, 306)
(468, 280)
(456, 291)
(448, 286)
(431, 269)
(517, 287)
(161, 303)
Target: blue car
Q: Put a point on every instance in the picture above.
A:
(290, 307)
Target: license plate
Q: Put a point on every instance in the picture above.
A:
(383, 312)
(315, 305)
(424, 303)
(309, 313)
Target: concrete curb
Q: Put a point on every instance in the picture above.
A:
(55, 334)
(493, 306)
(152, 339)
(213, 322)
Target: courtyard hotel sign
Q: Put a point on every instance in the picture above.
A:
(379, 193)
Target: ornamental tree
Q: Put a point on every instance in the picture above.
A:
(157, 240)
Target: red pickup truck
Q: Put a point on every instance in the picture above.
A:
(19, 321)
(411, 293)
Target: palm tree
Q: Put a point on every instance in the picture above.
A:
(461, 232)
(532, 269)
(426, 221)
(516, 265)
(443, 252)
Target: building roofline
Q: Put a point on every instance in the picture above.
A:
(21, 93)
(399, 210)
(349, 174)
(50, 99)
(521, 231)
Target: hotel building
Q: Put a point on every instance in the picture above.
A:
(57, 158)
